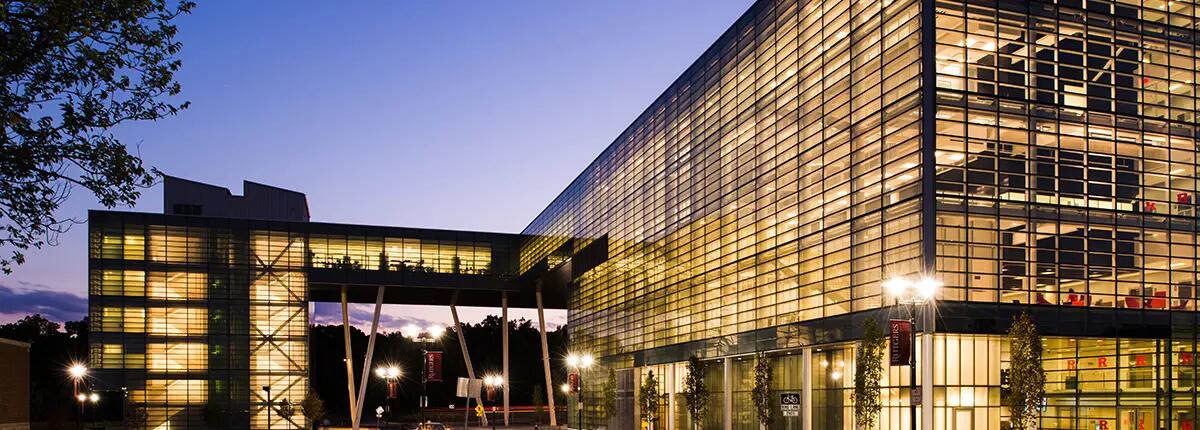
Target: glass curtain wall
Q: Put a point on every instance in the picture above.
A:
(776, 181)
(185, 316)
(1066, 153)
(278, 327)
(160, 302)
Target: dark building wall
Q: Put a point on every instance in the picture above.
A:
(14, 385)
(185, 197)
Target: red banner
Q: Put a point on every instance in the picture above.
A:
(573, 382)
(900, 334)
(433, 366)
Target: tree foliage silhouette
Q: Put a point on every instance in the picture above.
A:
(1026, 376)
(71, 72)
(695, 393)
(868, 371)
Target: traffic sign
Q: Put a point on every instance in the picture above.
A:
(479, 410)
(789, 404)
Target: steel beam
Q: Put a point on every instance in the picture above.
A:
(546, 355)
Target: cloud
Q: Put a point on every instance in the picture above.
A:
(394, 317)
(32, 298)
(361, 314)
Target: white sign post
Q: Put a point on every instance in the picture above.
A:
(468, 389)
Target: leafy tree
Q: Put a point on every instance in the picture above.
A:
(867, 373)
(72, 71)
(312, 407)
(51, 351)
(214, 416)
(648, 395)
(695, 393)
(136, 416)
(539, 403)
(1026, 377)
(761, 393)
(608, 395)
(30, 328)
(285, 409)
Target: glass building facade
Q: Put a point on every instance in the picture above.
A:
(1034, 156)
(194, 316)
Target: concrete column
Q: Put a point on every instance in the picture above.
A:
(362, 384)
(927, 362)
(504, 340)
(669, 380)
(462, 343)
(806, 409)
(727, 409)
(349, 361)
(546, 356)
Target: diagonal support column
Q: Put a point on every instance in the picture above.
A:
(349, 360)
(362, 382)
(462, 343)
(546, 356)
(504, 360)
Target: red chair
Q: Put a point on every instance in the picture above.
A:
(1133, 303)
(1077, 299)
(1159, 301)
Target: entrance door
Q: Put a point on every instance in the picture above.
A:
(964, 419)
(1138, 419)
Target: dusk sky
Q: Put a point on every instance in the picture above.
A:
(456, 115)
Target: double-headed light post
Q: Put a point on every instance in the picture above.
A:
(578, 364)
(391, 375)
(913, 293)
(424, 336)
(493, 383)
(78, 373)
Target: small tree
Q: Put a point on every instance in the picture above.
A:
(649, 397)
(135, 416)
(1026, 377)
(539, 402)
(868, 371)
(312, 407)
(695, 393)
(214, 416)
(285, 409)
(608, 395)
(761, 393)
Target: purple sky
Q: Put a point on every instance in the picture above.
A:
(457, 115)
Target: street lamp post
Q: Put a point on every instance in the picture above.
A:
(424, 336)
(566, 389)
(579, 363)
(267, 389)
(911, 294)
(390, 374)
(493, 383)
(78, 372)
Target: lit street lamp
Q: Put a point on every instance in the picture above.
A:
(78, 373)
(424, 336)
(493, 383)
(911, 294)
(390, 374)
(578, 364)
